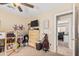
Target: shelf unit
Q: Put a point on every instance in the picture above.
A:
(2, 43)
(2, 46)
(9, 51)
(3, 36)
(10, 47)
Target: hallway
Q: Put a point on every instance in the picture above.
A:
(28, 51)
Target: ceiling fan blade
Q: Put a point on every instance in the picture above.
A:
(3, 3)
(29, 5)
(14, 5)
(19, 8)
(10, 6)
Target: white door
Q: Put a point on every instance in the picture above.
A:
(64, 34)
(72, 38)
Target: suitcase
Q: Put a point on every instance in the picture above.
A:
(38, 46)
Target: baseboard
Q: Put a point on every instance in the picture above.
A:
(31, 46)
(51, 50)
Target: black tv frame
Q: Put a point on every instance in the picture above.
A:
(34, 23)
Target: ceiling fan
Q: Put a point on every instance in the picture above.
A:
(18, 5)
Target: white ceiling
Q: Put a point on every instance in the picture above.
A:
(39, 8)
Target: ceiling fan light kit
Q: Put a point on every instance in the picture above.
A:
(18, 5)
(14, 4)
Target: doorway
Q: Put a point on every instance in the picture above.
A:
(64, 33)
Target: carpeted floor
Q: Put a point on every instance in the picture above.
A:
(2, 54)
(28, 51)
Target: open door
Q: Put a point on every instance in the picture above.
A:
(64, 33)
(67, 33)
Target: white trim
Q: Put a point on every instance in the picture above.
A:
(75, 30)
(64, 13)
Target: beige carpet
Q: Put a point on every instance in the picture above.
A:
(2, 54)
(28, 51)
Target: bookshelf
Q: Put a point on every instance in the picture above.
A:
(10, 43)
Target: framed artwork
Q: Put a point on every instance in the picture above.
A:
(46, 24)
(18, 27)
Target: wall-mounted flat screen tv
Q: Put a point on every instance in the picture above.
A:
(34, 23)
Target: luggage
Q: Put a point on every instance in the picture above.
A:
(38, 46)
(45, 43)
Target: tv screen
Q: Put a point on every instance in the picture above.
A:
(34, 23)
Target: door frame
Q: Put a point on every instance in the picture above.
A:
(75, 37)
(74, 29)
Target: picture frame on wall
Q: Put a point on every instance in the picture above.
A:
(46, 24)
